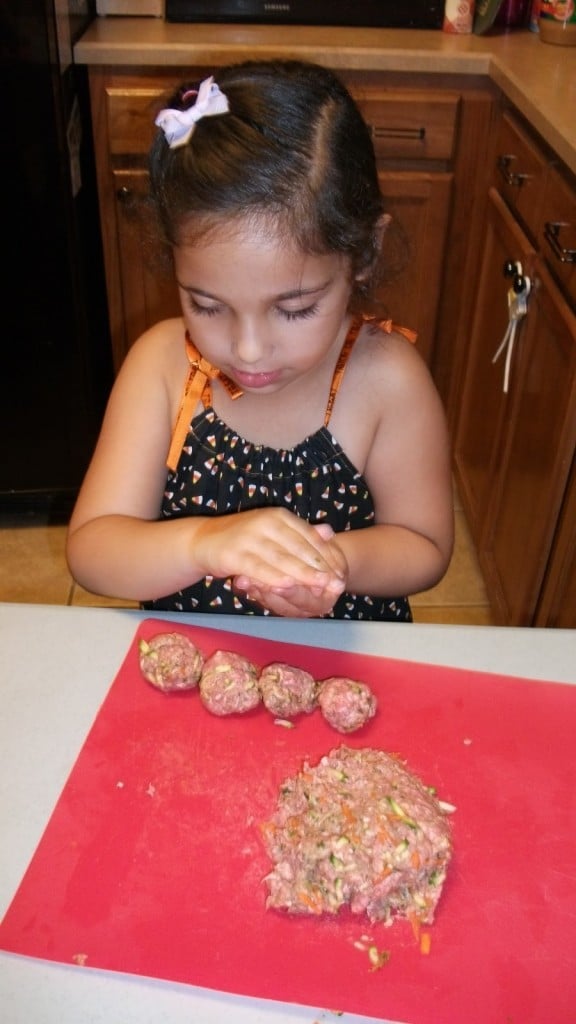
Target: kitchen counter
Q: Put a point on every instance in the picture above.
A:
(57, 665)
(538, 78)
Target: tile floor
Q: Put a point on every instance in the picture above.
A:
(33, 569)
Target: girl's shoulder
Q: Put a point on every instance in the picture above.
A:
(389, 376)
(165, 339)
(386, 358)
(159, 352)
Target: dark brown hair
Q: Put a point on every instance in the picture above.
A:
(293, 151)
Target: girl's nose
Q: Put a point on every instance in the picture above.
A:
(249, 342)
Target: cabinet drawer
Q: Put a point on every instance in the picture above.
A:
(405, 124)
(411, 124)
(558, 230)
(520, 173)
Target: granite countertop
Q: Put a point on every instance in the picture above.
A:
(539, 78)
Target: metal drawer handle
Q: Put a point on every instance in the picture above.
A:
(406, 134)
(509, 176)
(552, 236)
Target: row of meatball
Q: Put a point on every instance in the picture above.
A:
(229, 683)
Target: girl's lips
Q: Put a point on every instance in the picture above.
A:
(256, 380)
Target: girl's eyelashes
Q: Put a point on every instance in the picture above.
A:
(203, 310)
(287, 314)
(299, 314)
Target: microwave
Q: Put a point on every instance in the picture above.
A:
(428, 14)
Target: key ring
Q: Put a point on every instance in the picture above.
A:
(517, 309)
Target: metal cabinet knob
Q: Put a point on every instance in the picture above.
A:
(552, 231)
(504, 163)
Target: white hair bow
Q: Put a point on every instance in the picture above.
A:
(178, 125)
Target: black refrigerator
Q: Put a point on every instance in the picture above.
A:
(55, 356)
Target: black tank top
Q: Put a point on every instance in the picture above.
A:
(215, 472)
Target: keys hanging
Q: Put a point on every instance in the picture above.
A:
(517, 308)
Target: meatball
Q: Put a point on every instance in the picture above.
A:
(170, 661)
(346, 703)
(229, 684)
(287, 691)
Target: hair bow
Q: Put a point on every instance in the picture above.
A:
(178, 125)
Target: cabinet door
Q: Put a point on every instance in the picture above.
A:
(420, 203)
(485, 407)
(535, 459)
(557, 605)
(148, 289)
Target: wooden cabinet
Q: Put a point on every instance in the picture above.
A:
(139, 281)
(558, 597)
(414, 131)
(148, 292)
(420, 202)
(514, 450)
(418, 134)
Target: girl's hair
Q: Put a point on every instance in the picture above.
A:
(293, 151)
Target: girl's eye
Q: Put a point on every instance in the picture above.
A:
(299, 314)
(202, 310)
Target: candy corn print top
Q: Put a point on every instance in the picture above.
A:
(213, 471)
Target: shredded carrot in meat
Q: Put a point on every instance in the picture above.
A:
(294, 821)
(425, 943)
(415, 859)
(314, 903)
(415, 922)
(347, 813)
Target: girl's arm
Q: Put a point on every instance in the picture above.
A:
(117, 546)
(408, 471)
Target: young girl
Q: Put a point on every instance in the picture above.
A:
(271, 451)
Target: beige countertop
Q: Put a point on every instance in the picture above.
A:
(539, 78)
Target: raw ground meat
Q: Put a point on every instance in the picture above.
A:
(346, 704)
(287, 691)
(357, 829)
(229, 684)
(170, 661)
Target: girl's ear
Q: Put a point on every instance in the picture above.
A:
(382, 225)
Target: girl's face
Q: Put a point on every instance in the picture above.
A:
(264, 313)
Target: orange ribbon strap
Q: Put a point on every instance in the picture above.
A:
(197, 387)
(201, 372)
(388, 326)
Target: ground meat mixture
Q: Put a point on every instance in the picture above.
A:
(357, 829)
(229, 684)
(287, 691)
(170, 661)
(346, 704)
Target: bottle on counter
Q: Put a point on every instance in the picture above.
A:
(558, 22)
(534, 23)
(513, 14)
(458, 16)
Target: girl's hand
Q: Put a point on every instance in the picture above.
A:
(296, 600)
(271, 548)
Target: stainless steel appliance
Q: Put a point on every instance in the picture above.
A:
(376, 13)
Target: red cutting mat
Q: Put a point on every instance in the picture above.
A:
(152, 861)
